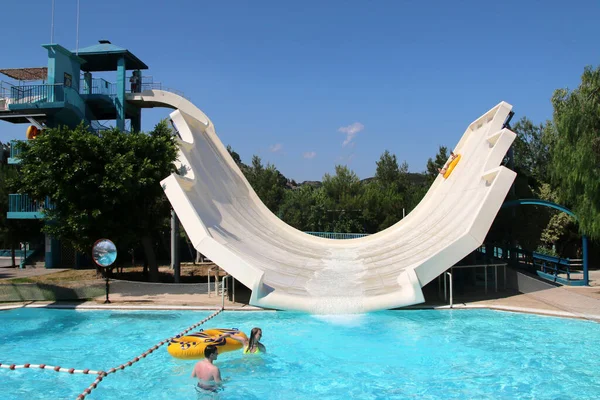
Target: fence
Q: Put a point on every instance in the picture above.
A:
(99, 86)
(24, 203)
(36, 94)
(551, 268)
(14, 148)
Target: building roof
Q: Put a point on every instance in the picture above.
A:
(26, 74)
(105, 55)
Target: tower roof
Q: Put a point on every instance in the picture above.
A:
(105, 55)
(26, 74)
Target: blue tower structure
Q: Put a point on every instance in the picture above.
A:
(67, 93)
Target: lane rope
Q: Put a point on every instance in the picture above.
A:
(102, 374)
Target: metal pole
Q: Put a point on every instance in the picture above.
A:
(217, 282)
(77, 34)
(208, 274)
(445, 289)
(450, 279)
(485, 278)
(52, 25)
(223, 281)
(496, 278)
(106, 274)
(175, 264)
(584, 251)
(233, 288)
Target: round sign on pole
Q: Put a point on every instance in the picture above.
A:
(104, 252)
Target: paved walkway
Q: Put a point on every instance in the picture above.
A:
(563, 301)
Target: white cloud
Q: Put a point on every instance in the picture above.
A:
(351, 131)
(309, 154)
(274, 148)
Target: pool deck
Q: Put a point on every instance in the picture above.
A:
(562, 301)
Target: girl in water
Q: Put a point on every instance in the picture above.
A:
(251, 345)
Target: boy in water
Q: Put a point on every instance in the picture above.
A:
(208, 374)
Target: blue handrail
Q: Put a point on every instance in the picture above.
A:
(550, 266)
(31, 94)
(24, 203)
(14, 149)
(584, 240)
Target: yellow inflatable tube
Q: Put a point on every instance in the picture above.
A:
(191, 347)
(451, 166)
(32, 132)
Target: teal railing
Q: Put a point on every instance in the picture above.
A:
(552, 268)
(18, 203)
(18, 253)
(338, 235)
(31, 94)
(99, 86)
(14, 149)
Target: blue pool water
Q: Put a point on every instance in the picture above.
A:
(458, 354)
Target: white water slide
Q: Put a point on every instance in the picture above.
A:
(291, 270)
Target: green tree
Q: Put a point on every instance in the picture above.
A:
(433, 165)
(13, 231)
(4, 152)
(101, 186)
(238, 160)
(532, 151)
(299, 208)
(387, 172)
(268, 183)
(342, 197)
(382, 207)
(575, 167)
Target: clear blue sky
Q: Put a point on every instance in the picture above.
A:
(307, 85)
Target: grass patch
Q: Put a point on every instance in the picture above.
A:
(21, 280)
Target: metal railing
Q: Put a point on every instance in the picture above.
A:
(24, 203)
(15, 150)
(97, 127)
(338, 235)
(5, 98)
(552, 267)
(31, 94)
(99, 86)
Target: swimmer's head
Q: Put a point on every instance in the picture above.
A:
(211, 352)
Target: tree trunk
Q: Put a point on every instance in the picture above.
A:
(12, 254)
(150, 258)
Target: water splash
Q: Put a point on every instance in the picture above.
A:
(339, 284)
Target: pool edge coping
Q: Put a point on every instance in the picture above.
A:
(462, 306)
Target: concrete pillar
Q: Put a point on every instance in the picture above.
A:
(120, 98)
(52, 256)
(175, 264)
(87, 83)
(136, 122)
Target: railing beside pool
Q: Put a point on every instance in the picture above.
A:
(555, 269)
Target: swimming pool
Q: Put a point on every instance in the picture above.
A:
(450, 354)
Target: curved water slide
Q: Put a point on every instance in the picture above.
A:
(291, 270)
